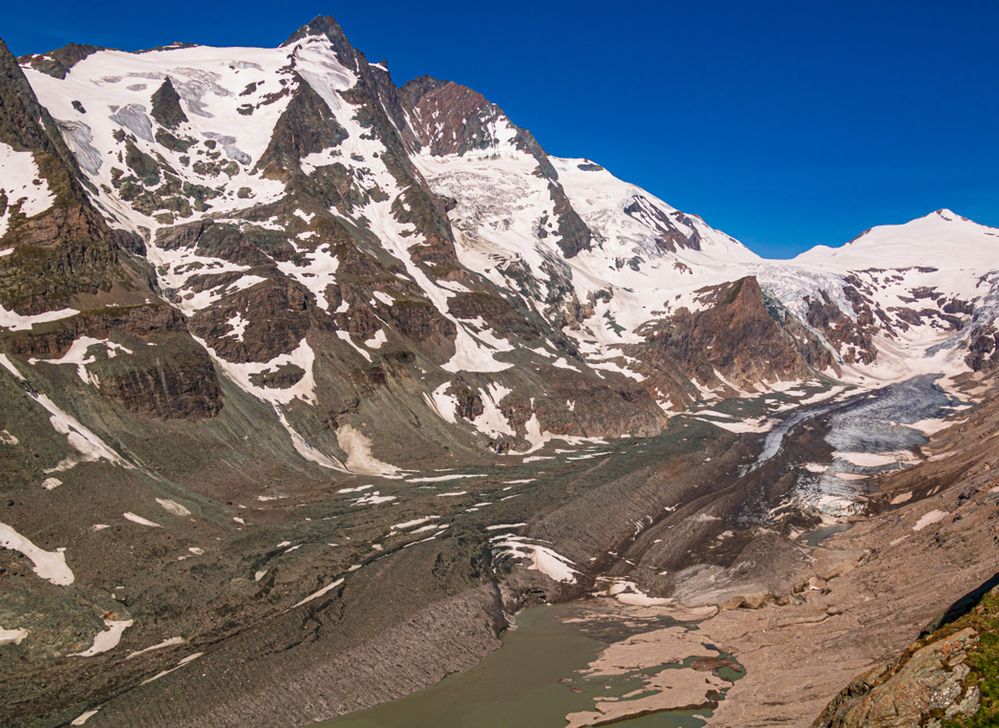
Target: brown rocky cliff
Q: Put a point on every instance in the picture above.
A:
(69, 248)
(57, 63)
(738, 336)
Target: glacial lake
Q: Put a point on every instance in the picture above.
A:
(532, 681)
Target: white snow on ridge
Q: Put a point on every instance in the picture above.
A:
(445, 405)
(18, 173)
(942, 239)
(13, 636)
(492, 421)
(79, 355)
(541, 558)
(108, 639)
(318, 65)
(240, 374)
(601, 199)
(318, 273)
(169, 642)
(88, 445)
(506, 212)
(647, 260)
(183, 661)
(373, 499)
(140, 520)
(930, 518)
(176, 266)
(445, 478)
(306, 450)
(116, 90)
(17, 322)
(405, 525)
(83, 717)
(319, 593)
(538, 438)
(173, 507)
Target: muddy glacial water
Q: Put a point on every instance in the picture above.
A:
(533, 681)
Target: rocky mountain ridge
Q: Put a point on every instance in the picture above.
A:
(309, 218)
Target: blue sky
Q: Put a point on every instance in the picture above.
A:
(785, 124)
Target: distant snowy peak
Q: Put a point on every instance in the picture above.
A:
(167, 134)
(942, 239)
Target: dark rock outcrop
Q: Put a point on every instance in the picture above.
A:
(59, 62)
(166, 106)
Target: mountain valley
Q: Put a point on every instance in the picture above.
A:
(310, 383)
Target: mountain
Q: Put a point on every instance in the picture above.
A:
(926, 288)
(311, 219)
(241, 285)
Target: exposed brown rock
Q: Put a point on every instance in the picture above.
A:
(59, 62)
(738, 336)
(909, 690)
(166, 106)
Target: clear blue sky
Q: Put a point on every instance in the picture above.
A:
(783, 123)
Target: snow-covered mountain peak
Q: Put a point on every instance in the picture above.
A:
(167, 133)
(326, 28)
(942, 239)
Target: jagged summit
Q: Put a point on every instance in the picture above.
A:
(326, 27)
(320, 25)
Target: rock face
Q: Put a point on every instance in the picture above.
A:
(938, 679)
(738, 338)
(65, 255)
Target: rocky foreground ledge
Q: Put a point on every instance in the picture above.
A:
(947, 676)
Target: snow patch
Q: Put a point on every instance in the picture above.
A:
(140, 520)
(169, 642)
(319, 593)
(18, 174)
(928, 519)
(173, 507)
(108, 639)
(49, 565)
(542, 558)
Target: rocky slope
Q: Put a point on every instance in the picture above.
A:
(939, 678)
(259, 308)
